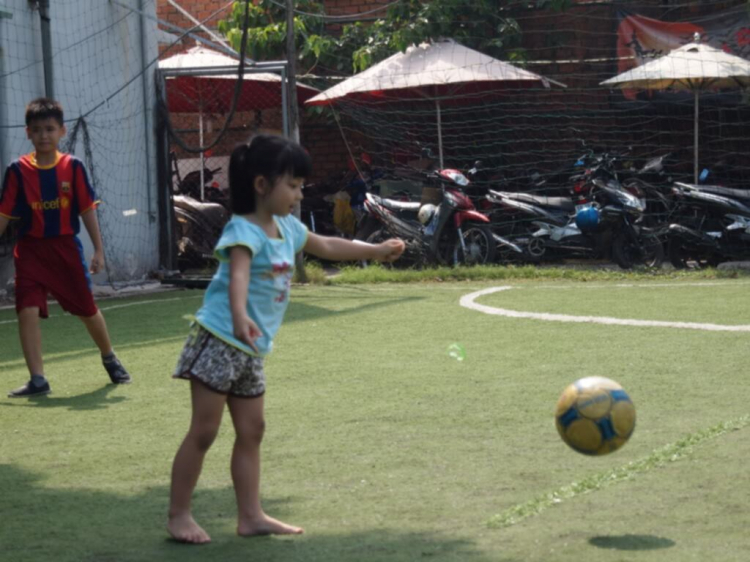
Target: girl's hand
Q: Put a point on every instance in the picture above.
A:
(390, 250)
(246, 331)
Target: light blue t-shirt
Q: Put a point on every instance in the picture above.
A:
(271, 270)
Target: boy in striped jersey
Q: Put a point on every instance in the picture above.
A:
(47, 192)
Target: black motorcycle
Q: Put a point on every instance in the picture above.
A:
(711, 224)
(600, 220)
(652, 183)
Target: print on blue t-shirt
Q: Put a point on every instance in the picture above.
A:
(271, 271)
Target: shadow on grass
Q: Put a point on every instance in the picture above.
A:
(631, 542)
(41, 524)
(299, 311)
(95, 400)
(174, 329)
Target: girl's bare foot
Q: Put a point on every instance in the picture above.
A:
(183, 528)
(266, 525)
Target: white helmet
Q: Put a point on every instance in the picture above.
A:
(426, 213)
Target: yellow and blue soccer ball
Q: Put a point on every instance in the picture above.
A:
(595, 416)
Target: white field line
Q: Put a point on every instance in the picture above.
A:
(647, 285)
(126, 305)
(468, 301)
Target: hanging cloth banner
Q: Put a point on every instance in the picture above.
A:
(641, 39)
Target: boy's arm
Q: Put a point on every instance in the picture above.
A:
(244, 328)
(332, 248)
(92, 227)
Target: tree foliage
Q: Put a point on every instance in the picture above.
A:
(485, 25)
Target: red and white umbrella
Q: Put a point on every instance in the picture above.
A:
(213, 93)
(213, 89)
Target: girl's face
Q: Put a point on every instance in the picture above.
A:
(284, 196)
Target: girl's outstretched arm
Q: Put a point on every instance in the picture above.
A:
(340, 249)
(245, 329)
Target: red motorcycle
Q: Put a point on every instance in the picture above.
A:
(450, 231)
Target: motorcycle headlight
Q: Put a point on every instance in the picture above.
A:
(631, 201)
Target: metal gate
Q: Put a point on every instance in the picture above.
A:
(204, 112)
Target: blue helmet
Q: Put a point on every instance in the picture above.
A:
(587, 219)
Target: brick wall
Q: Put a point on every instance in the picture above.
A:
(579, 41)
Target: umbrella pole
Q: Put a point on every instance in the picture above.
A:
(200, 141)
(695, 141)
(440, 133)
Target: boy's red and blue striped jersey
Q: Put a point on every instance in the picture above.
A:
(47, 200)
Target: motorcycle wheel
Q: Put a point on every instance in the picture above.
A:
(366, 228)
(480, 246)
(380, 235)
(195, 240)
(681, 256)
(647, 250)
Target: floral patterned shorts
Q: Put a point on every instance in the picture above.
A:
(220, 366)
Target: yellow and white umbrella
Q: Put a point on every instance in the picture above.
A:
(695, 67)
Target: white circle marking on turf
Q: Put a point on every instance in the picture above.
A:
(468, 301)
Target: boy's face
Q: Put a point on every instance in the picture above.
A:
(45, 134)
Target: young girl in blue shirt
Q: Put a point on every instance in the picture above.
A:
(234, 329)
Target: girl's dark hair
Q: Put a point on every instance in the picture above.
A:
(43, 108)
(270, 156)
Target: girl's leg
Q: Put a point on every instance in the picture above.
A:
(249, 425)
(208, 407)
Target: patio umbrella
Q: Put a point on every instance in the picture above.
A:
(440, 71)
(695, 67)
(203, 81)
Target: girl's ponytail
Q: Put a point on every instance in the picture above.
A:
(241, 192)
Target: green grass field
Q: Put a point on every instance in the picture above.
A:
(384, 447)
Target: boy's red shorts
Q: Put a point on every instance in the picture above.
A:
(53, 265)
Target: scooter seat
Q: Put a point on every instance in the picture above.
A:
(563, 203)
(211, 211)
(719, 190)
(408, 206)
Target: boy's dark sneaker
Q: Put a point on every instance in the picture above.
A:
(116, 372)
(29, 389)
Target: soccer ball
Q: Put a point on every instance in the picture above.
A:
(595, 416)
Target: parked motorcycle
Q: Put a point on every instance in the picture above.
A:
(600, 220)
(711, 225)
(198, 227)
(450, 231)
(653, 184)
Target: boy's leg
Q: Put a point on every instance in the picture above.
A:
(249, 425)
(30, 332)
(208, 407)
(97, 329)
